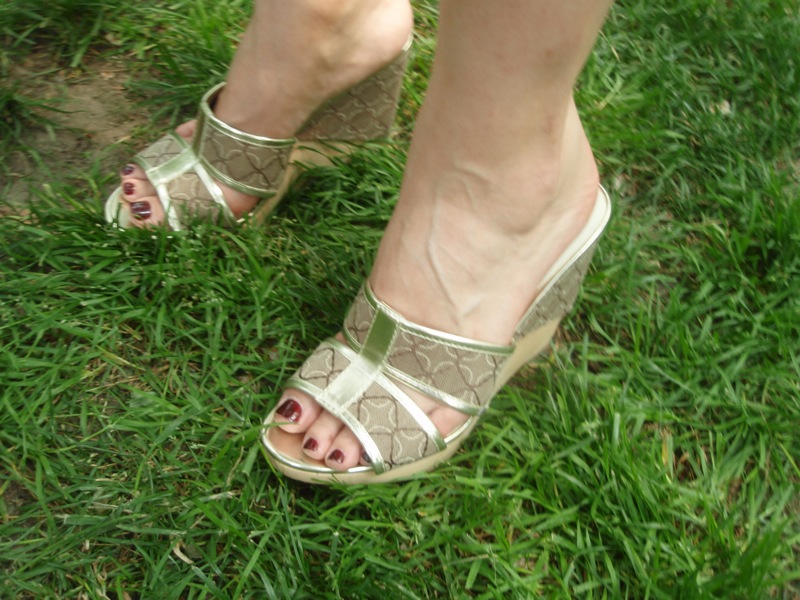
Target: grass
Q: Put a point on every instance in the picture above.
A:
(654, 454)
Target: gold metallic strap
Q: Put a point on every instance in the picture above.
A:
(390, 426)
(248, 163)
(454, 370)
(171, 160)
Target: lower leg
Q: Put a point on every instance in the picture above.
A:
(293, 56)
(500, 175)
(296, 54)
(500, 179)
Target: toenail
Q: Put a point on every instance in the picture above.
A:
(336, 455)
(141, 210)
(311, 445)
(127, 188)
(127, 169)
(290, 410)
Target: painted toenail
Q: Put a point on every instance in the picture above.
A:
(290, 410)
(128, 169)
(141, 210)
(336, 455)
(311, 445)
(127, 188)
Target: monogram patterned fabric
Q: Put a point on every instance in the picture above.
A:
(359, 318)
(364, 112)
(257, 167)
(393, 429)
(459, 371)
(468, 375)
(323, 366)
(159, 152)
(193, 201)
(186, 192)
(559, 298)
(398, 435)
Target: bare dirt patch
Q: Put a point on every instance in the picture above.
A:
(91, 118)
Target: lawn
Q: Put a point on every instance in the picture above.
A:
(654, 453)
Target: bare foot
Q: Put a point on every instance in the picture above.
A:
(292, 58)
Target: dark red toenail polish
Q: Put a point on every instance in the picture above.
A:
(141, 210)
(336, 455)
(127, 188)
(127, 169)
(311, 445)
(290, 410)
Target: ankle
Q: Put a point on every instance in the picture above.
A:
(508, 187)
(473, 238)
(295, 55)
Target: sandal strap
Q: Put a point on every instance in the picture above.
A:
(184, 187)
(361, 382)
(390, 426)
(185, 176)
(248, 163)
(457, 371)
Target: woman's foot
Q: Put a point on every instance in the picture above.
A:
(292, 58)
(500, 180)
(449, 263)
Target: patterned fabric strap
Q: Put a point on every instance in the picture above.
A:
(183, 185)
(362, 383)
(392, 429)
(365, 111)
(248, 163)
(459, 372)
(558, 296)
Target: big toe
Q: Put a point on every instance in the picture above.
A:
(145, 212)
(296, 412)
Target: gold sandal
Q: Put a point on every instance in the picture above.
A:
(184, 176)
(361, 382)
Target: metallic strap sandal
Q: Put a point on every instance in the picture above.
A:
(185, 176)
(363, 382)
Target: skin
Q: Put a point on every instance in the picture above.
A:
(500, 176)
(293, 57)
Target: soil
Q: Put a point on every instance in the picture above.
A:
(92, 117)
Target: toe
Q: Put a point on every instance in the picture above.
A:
(296, 411)
(345, 452)
(186, 130)
(446, 419)
(132, 172)
(134, 183)
(145, 212)
(317, 443)
(134, 189)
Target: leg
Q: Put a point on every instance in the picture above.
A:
(500, 179)
(293, 57)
